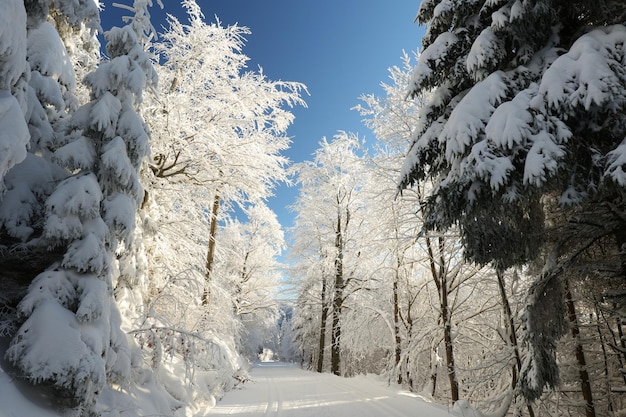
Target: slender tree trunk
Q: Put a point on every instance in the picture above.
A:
(335, 353)
(447, 337)
(434, 368)
(335, 359)
(585, 383)
(396, 329)
(409, 336)
(324, 318)
(605, 357)
(622, 342)
(206, 294)
(510, 324)
(440, 276)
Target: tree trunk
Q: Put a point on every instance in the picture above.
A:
(605, 357)
(447, 337)
(434, 368)
(211, 251)
(622, 341)
(335, 359)
(585, 384)
(396, 329)
(324, 318)
(510, 327)
(409, 336)
(439, 275)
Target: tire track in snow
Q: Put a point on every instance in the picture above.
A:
(274, 406)
(286, 391)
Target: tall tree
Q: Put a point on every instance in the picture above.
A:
(219, 129)
(79, 192)
(521, 120)
(330, 186)
(393, 119)
(250, 275)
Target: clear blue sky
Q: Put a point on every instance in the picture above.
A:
(340, 49)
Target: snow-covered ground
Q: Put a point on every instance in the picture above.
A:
(17, 398)
(276, 389)
(283, 390)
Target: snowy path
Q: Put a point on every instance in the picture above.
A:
(283, 390)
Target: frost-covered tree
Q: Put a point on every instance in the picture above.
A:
(219, 128)
(74, 198)
(218, 131)
(250, 275)
(331, 209)
(392, 119)
(523, 137)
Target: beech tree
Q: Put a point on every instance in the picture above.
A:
(522, 92)
(330, 186)
(250, 274)
(218, 131)
(219, 128)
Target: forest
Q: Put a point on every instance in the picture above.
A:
(473, 251)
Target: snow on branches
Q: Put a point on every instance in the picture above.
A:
(525, 120)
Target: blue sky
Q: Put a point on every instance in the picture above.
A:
(340, 49)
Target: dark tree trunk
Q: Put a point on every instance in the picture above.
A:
(434, 368)
(510, 324)
(324, 318)
(447, 338)
(335, 352)
(622, 342)
(396, 329)
(206, 294)
(440, 276)
(585, 384)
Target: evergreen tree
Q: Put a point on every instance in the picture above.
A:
(524, 138)
(73, 200)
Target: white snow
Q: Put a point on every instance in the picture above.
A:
(486, 52)
(115, 160)
(587, 74)
(47, 54)
(79, 154)
(63, 353)
(511, 122)
(19, 398)
(12, 42)
(104, 114)
(470, 116)
(14, 134)
(280, 389)
(435, 53)
(542, 158)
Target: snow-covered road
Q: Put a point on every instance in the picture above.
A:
(283, 390)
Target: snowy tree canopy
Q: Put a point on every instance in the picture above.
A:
(527, 99)
(524, 139)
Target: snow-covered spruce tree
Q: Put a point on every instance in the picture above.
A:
(71, 340)
(14, 138)
(524, 138)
